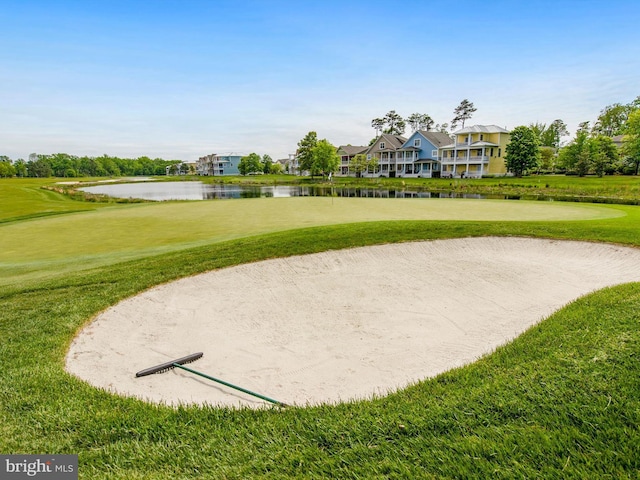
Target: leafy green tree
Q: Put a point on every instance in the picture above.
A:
(538, 129)
(604, 155)
(276, 168)
(583, 162)
(359, 164)
(110, 166)
(7, 169)
(522, 153)
(325, 158)
(462, 113)
(378, 125)
(63, 164)
(631, 141)
(267, 163)
(613, 118)
(21, 167)
(547, 159)
(551, 136)
(372, 164)
(304, 154)
(420, 121)
(394, 123)
(442, 128)
(39, 167)
(571, 157)
(250, 164)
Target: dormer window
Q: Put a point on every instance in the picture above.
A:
(416, 142)
(381, 145)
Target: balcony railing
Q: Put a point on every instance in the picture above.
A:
(464, 160)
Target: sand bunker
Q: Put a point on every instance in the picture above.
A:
(339, 325)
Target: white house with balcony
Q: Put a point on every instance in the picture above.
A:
(217, 165)
(476, 151)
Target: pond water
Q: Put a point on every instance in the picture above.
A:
(160, 191)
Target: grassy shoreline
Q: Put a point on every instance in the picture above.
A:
(623, 190)
(612, 189)
(559, 401)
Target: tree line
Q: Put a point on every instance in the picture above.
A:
(538, 147)
(253, 164)
(393, 123)
(65, 165)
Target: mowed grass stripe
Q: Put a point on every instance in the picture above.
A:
(141, 229)
(558, 402)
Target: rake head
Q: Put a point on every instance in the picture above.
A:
(165, 367)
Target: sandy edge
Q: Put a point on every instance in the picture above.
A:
(340, 325)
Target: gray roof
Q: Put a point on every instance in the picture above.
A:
(438, 139)
(352, 149)
(481, 129)
(391, 142)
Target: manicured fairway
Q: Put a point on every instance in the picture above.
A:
(560, 401)
(124, 232)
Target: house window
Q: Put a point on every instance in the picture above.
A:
(368, 156)
(492, 152)
(434, 153)
(381, 145)
(481, 137)
(499, 152)
(416, 142)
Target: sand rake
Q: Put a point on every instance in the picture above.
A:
(179, 363)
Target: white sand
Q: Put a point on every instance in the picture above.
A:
(340, 325)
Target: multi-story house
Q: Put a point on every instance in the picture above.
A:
(385, 149)
(476, 151)
(346, 154)
(215, 165)
(418, 156)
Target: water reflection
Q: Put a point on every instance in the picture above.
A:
(159, 191)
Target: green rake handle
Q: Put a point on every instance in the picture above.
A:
(231, 385)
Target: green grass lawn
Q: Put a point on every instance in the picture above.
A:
(561, 401)
(593, 188)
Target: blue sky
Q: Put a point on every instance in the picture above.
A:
(180, 79)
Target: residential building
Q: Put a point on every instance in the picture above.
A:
(346, 154)
(215, 165)
(182, 168)
(419, 155)
(385, 148)
(290, 164)
(476, 151)
(618, 140)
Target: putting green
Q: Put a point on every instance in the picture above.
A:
(88, 239)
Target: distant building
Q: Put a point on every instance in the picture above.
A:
(618, 140)
(346, 154)
(289, 165)
(183, 168)
(218, 165)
